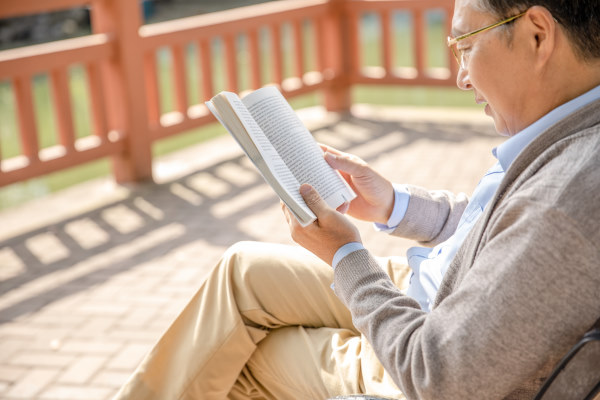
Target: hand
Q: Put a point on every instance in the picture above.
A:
(328, 233)
(375, 199)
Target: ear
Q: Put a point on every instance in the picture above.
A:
(541, 31)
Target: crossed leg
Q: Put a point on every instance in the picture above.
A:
(265, 324)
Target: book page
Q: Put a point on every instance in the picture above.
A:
(296, 145)
(234, 115)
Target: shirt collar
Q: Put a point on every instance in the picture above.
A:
(510, 149)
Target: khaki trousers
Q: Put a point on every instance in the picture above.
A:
(264, 325)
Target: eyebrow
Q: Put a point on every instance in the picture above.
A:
(454, 33)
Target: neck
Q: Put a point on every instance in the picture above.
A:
(583, 76)
(567, 78)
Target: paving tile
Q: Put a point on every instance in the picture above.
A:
(87, 233)
(139, 317)
(10, 374)
(66, 392)
(94, 326)
(82, 369)
(236, 174)
(96, 346)
(103, 309)
(47, 247)
(123, 219)
(41, 358)
(50, 318)
(148, 208)
(9, 346)
(114, 379)
(12, 265)
(208, 185)
(186, 194)
(147, 335)
(129, 357)
(32, 383)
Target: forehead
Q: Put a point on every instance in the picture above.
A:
(468, 15)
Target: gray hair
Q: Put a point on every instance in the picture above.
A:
(580, 19)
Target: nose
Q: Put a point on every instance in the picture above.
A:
(462, 79)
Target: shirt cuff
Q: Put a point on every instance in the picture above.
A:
(401, 198)
(344, 251)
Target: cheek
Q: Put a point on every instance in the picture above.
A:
(493, 88)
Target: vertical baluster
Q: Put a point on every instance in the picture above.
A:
(387, 48)
(298, 49)
(320, 49)
(179, 77)
(62, 108)
(231, 63)
(205, 56)
(100, 126)
(26, 116)
(254, 51)
(277, 57)
(419, 38)
(151, 83)
(354, 46)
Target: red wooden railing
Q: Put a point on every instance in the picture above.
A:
(119, 58)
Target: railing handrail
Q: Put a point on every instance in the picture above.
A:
(35, 59)
(18, 8)
(228, 21)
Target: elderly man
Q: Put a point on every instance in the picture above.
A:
(513, 282)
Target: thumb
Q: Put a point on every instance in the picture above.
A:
(313, 200)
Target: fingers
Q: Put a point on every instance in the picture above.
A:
(341, 161)
(346, 163)
(343, 209)
(286, 213)
(329, 149)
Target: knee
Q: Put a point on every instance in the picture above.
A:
(246, 252)
(246, 258)
(239, 248)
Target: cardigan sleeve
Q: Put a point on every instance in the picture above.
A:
(431, 216)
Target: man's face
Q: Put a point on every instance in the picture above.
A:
(496, 68)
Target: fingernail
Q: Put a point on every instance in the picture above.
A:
(305, 189)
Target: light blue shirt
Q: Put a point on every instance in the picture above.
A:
(430, 264)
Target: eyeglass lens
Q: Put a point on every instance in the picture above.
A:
(459, 55)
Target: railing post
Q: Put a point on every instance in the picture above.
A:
(125, 93)
(335, 53)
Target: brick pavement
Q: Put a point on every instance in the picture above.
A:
(91, 277)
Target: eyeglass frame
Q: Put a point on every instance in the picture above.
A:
(452, 41)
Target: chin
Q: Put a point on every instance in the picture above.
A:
(499, 123)
(501, 129)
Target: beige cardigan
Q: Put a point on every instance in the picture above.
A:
(523, 288)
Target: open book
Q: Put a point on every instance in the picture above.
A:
(281, 148)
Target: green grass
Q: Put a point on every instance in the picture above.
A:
(9, 142)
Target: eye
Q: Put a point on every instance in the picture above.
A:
(464, 48)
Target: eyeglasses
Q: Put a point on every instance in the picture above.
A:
(460, 55)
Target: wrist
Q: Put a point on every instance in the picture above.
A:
(399, 207)
(344, 250)
(388, 206)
